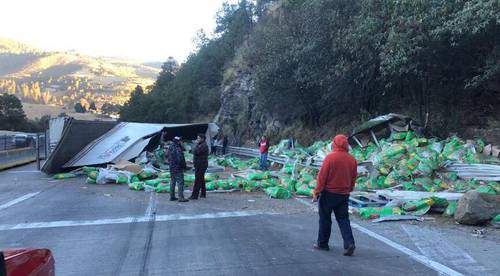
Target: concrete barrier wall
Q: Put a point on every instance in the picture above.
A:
(15, 157)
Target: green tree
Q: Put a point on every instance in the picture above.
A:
(79, 108)
(12, 115)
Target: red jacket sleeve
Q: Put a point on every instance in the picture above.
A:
(323, 175)
(354, 175)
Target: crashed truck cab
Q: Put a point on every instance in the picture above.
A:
(95, 143)
(383, 127)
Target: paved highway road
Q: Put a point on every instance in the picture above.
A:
(110, 230)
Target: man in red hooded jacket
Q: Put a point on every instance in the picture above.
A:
(335, 182)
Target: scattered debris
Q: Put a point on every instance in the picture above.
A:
(398, 218)
(479, 233)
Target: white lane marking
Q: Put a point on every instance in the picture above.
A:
(151, 205)
(440, 268)
(69, 223)
(17, 200)
(435, 246)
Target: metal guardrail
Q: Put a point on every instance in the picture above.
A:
(274, 158)
(483, 172)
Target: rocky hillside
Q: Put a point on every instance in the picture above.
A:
(63, 78)
(309, 69)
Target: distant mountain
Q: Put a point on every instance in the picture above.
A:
(13, 47)
(65, 78)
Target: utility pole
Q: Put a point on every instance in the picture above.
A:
(38, 151)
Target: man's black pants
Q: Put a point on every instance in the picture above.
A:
(339, 204)
(199, 182)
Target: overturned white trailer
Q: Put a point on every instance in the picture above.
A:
(125, 141)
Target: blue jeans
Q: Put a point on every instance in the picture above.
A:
(263, 161)
(177, 178)
(339, 204)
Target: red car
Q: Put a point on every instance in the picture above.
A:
(27, 261)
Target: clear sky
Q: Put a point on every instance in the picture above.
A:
(144, 30)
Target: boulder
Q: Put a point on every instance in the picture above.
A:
(495, 151)
(476, 208)
(487, 150)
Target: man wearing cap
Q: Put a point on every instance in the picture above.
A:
(177, 165)
(335, 182)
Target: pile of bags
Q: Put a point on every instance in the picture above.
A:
(410, 163)
(148, 179)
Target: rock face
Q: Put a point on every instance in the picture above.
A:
(240, 116)
(476, 208)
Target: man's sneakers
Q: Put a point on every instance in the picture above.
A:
(173, 199)
(192, 198)
(317, 247)
(349, 250)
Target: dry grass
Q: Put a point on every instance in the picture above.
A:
(38, 110)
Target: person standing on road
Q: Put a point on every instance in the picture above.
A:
(264, 149)
(177, 165)
(224, 145)
(200, 161)
(335, 182)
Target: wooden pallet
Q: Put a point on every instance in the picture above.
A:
(366, 200)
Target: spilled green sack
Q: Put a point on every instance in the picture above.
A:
(189, 178)
(278, 192)
(211, 177)
(136, 186)
(121, 180)
(303, 189)
(223, 185)
(377, 212)
(418, 207)
(87, 170)
(376, 182)
(93, 174)
(153, 182)
(210, 186)
(268, 183)
(486, 190)
(312, 184)
(408, 186)
(162, 189)
(164, 175)
(289, 183)
(256, 176)
(409, 136)
(134, 178)
(91, 181)
(450, 210)
(439, 202)
(398, 136)
(64, 175)
(306, 178)
(147, 174)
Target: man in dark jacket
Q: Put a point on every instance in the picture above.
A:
(177, 165)
(336, 180)
(224, 145)
(200, 162)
